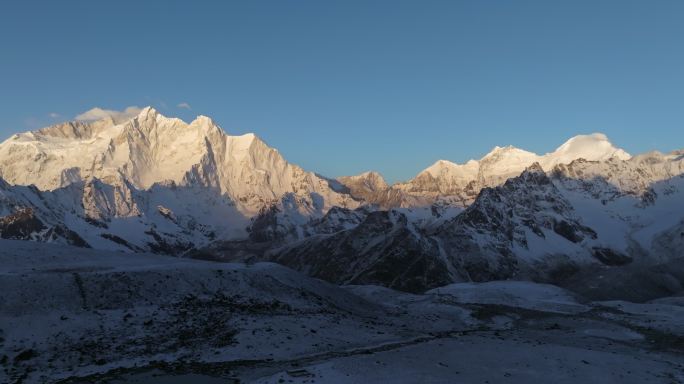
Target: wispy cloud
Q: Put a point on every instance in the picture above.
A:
(33, 122)
(184, 105)
(98, 113)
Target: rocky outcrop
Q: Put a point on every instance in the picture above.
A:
(528, 228)
(383, 249)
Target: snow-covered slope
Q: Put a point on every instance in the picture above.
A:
(114, 215)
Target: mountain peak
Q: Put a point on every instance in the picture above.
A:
(148, 113)
(375, 178)
(203, 119)
(206, 124)
(365, 186)
(502, 149)
(445, 168)
(439, 165)
(507, 152)
(148, 110)
(370, 174)
(369, 180)
(595, 146)
(534, 168)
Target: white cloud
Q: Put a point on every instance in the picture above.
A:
(54, 115)
(184, 105)
(118, 116)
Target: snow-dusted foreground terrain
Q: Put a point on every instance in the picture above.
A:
(81, 315)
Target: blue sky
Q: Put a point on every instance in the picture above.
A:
(340, 87)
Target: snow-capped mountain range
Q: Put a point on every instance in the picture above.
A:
(151, 149)
(460, 183)
(153, 174)
(153, 183)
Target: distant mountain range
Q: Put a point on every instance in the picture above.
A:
(152, 183)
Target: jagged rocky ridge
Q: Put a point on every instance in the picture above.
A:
(446, 182)
(537, 226)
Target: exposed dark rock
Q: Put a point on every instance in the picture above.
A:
(120, 241)
(70, 236)
(381, 250)
(26, 354)
(384, 247)
(20, 225)
(167, 246)
(610, 256)
(264, 226)
(96, 223)
(573, 232)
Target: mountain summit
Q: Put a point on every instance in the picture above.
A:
(592, 147)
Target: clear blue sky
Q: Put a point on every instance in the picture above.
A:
(340, 87)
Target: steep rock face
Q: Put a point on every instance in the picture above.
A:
(104, 201)
(365, 185)
(157, 183)
(405, 252)
(383, 249)
(492, 239)
(510, 227)
(371, 188)
(630, 203)
(614, 177)
(20, 225)
(534, 226)
(164, 219)
(151, 148)
(24, 216)
(669, 244)
(279, 225)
